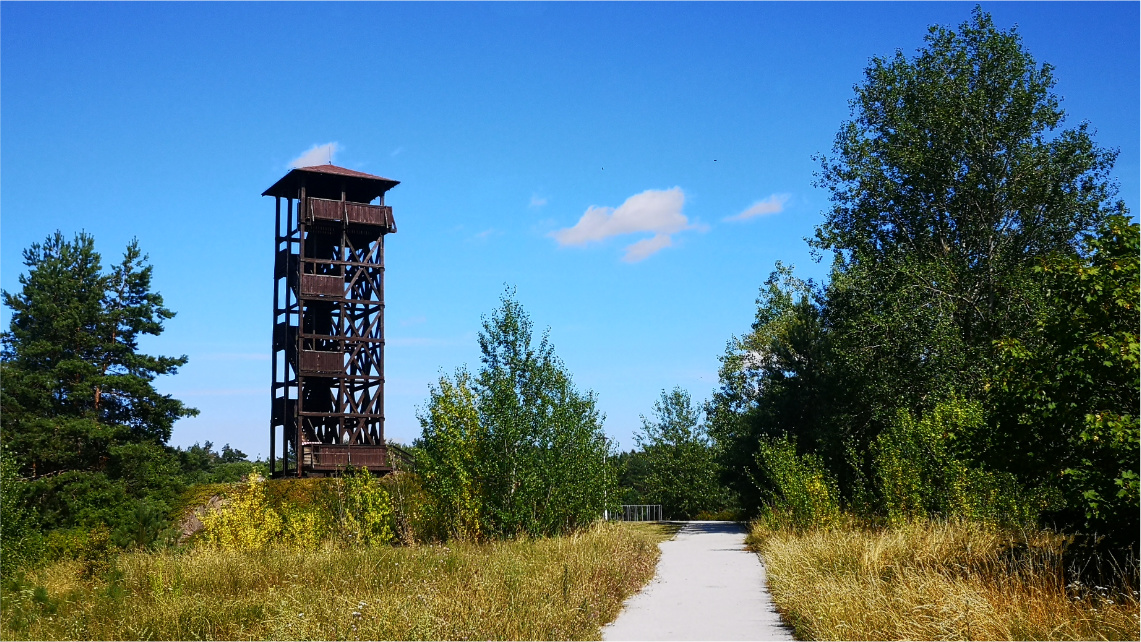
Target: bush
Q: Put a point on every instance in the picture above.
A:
(410, 512)
(354, 509)
(146, 526)
(723, 515)
(448, 456)
(802, 493)
(366, 515)
(97, 554)
(20, 542)
(923, 470)
(93, 548)
(246, 522)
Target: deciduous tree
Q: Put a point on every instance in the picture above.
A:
(516, 447)
(951, 179)
(1067, 394)
(681, 471)
(981, 259)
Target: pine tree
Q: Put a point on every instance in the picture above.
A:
(79, 406)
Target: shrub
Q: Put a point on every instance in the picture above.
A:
(246, 522)
(723, 515)
(923, 469)
(802, 493)
(145, 525)
(97, 554)
(303, 527)
(352, 509)
(410, 511)
(448, 456)
(20, 543)
(366, 509)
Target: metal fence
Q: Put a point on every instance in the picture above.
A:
(640, 513)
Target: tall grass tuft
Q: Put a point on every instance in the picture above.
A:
(935, 580)
(544, 589)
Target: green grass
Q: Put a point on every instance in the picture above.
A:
(656, 531)
(554, 588)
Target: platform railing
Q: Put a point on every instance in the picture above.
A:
(640, 513)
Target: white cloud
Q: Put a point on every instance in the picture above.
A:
(771, 205)
(538, 201)
(317, 155)
(640, 250)
(657, 211)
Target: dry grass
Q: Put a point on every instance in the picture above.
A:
(935, 581)
(557, 588)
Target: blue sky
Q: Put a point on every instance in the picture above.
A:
(633, 170)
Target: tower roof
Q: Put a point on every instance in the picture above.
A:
(327, 181)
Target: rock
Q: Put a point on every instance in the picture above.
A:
(191, 523)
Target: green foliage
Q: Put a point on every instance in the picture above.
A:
(66, 543)
(201, 464)
(132, 495)
(1068, 394)
(681, 473)
(633, 476)
(775, 381)
(448, 457)
(366, 509)
(799, 490)
(81, 417)
(19, 536)
(411, 513)
(145, 526)
(75, 382)
(924, 469)
(92, 547)
(950, 182)
(246, 521)
(975, 350)
(97, 554)
(952, 158)
(515, 449)
(544, 466)
(354, 509)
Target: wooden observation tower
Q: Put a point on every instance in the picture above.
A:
(328, 321)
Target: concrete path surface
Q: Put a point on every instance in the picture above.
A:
(707, 587)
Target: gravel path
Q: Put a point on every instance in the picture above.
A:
(707, 587)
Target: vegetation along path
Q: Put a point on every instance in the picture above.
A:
(708, 587)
